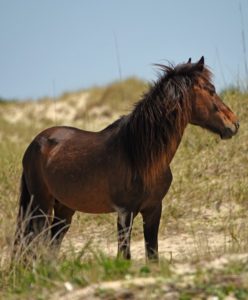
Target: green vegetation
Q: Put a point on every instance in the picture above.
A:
(119, 95)
(204, 213)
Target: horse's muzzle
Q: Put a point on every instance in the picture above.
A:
(230, 131)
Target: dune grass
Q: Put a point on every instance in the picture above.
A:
(208, 200)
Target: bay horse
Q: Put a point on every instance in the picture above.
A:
(124, 168)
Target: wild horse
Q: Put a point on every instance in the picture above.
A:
(124, 168)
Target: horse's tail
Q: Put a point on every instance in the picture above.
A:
(24, 213)
(25, 197)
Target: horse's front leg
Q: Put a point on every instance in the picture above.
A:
(124, 227)
(151, 219)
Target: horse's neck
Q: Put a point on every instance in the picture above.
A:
(161, 164)
(151, 141)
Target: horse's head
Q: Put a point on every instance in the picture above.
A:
(208, 110)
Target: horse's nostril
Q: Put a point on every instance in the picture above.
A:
(237, 125)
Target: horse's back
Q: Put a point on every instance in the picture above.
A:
(61, 135)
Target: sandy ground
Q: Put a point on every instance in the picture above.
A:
(176, 248)
(177, 245)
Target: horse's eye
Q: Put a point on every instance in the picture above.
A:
(210, 88)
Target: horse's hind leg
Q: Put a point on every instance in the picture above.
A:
(61, 222)
(124, 227)
(39, 217)
(34, 216)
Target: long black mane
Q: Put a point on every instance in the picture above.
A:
(159, 117)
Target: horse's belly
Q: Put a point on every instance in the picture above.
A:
(86, 199)
(92, 203)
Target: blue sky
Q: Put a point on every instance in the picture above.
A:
(52, 46)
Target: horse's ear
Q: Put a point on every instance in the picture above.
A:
(200, 64)
(201, 61)
(189, 61)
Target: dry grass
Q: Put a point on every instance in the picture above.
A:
(204, 213)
